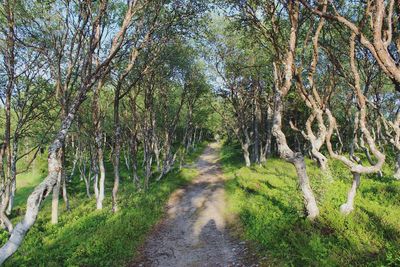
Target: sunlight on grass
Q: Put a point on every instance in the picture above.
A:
(88, 237)
(270, 208)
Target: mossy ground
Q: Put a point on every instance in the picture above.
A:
(270, 208)
(85, 236)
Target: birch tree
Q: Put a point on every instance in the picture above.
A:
(89, 77)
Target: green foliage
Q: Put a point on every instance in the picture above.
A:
(88, 237)
(270, 209)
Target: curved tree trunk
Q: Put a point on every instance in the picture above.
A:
(322, 160)
(33, 204)
(3, 217)
(348, 207)
(54, 161)
(282, 84)
(42, 190)
(296, 159)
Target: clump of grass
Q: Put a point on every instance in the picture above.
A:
(87, 237)
(270, 208)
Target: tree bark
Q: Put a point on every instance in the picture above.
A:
(55, 199)
(117, 149)
(296, 159)
(9, 62)
(156, 148)
(134, 138)
(266, 152)
(348, 207)
(64, 180)
(54, 162)
(246, 154)
(135, 176)
(282, 82)
(4, 193)
(102, 172)
(98, 136)
(13, 174)
(93, 168)
(256, 134)
(397, 170)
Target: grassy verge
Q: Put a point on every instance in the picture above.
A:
(87, 237)
(269, 205)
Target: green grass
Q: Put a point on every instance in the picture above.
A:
(87, 237)
(270, 208)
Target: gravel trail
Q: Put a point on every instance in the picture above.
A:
(194, 231)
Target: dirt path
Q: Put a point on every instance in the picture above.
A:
(194, 231)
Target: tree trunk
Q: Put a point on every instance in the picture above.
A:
(74, 163)
(86, 178)
(54, 162)
(13, 174)
(9, 62)
(34, 201)
(5, 195)
(285, 152)
(257, 151)
(92, 168)
(309, 199)
(64, 180)
(134, 161)
(263, 157)
(98, 136)
(322, 160)
(256, 147)
(126, 159)
(397, 171)
(134, 140)
(148, 161)
(368, 155)
(55, 199)
(246, 154)
(353, 156)
(167, 155)
(348, 207)
(102, 171)
(3, 206)
(200, 136)
(13, 190)
(117, 149)
(45, 187)
(157, 154)
(194, 138)
(268, 140)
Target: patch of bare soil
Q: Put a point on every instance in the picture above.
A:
(195, 229)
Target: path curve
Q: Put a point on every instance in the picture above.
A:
(194, 231)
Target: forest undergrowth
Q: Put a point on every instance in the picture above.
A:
(271, 213)
(85, 236)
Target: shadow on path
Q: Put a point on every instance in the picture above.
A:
(194, 231)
